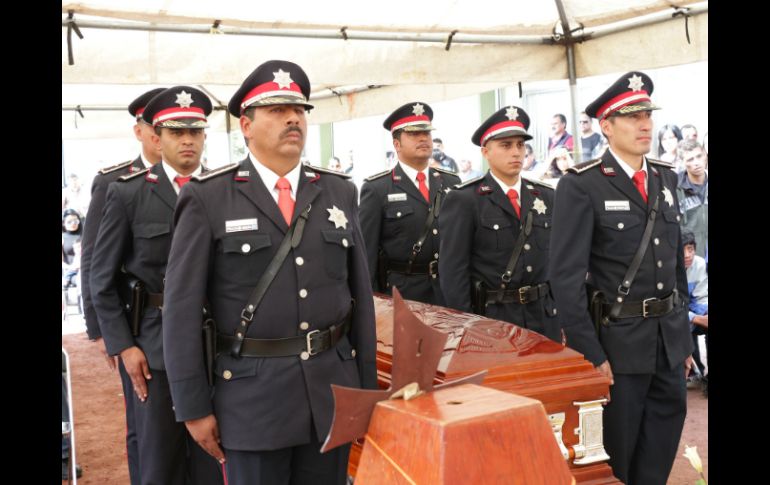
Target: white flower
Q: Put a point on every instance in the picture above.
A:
(691, 453)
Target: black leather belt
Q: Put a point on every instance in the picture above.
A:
(523, 295)
(314, 342)
(153, 300)
(416, 268)
(650, 307)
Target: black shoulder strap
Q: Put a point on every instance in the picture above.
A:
(432, 215)
(290, 240)
(526, 229)
(625, 286)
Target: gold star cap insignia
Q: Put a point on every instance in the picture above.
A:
(283, 79)
(184, 99)
(635, 83)
(337, 217)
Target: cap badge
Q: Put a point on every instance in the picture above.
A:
(511, 113)
(183, 99)
(418, 110)
(635, 83)
(283, 79)
(337, 217)
(668, 197)
(539, 206)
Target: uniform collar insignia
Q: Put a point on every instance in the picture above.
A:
(608, 171)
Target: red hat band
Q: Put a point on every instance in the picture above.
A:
(270, 89)
(177, 113)
(409, 121)
(629, 97)
(498, 128)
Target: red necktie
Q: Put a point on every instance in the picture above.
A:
(423, 188)
(513, 196)
(285, 202)
(639, 182)
(180, 181)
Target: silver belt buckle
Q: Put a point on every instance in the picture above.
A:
(308, 340)
(645, 313)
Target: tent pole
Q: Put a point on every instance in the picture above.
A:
(569, 42)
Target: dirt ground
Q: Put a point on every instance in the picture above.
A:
(100, 420)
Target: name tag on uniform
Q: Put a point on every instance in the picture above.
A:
(616, 205)
(241, 225)
(396, 197)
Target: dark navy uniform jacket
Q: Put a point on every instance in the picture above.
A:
(93, 219)
(588, 236)
(275, 402)
(393, 214)
(135, 234)
(479, 228)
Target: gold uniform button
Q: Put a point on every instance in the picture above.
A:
(299, 261)
(304, 326)
(227, 375)
(344, 242)
(303, 293)
(304, 356)
(246, 248)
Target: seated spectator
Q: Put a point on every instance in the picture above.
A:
(560, 161)
(72, 231)
(698, 287)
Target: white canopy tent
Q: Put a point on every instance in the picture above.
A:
(362, 58)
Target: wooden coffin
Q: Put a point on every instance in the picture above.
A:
(460, 435)
(518, 361)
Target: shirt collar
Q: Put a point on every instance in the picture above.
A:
(270, 178)
(171, 174)
(411, 173)
(505, 187)
(627, 168)
(145, 162)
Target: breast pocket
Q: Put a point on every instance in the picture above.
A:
(397, 220)
(619, 234)
(337, 244)
(541, 232)
(243, 257)
(152, 241)
(672, 218)
(498, 230)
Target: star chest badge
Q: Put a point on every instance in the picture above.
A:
(668, 197)
(539, 206)
(337, 217)
(282, 79)
(184, 99)
(635, 83)
(418, 110)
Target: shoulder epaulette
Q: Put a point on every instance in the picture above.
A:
(538, 182)
(469, 182)
(327, 170)
(444, 170)
(210, 174)
(582, 167)
(115, 167)
(661, 163)
(131, 176)
(378, 175)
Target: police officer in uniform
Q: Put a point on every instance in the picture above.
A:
(133, 243)
(492, 222)
(149, 156)
(399, 210)
(643, 344)
(276, 358)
